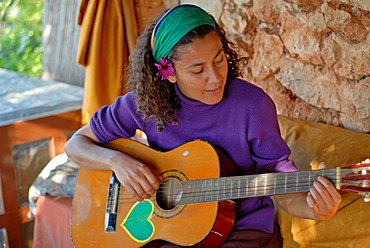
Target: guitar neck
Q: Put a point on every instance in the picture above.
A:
(216, 189)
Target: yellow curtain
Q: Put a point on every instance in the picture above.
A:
(108, 34)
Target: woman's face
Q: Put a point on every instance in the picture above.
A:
(201, 70)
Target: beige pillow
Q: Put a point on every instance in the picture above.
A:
(312, 143)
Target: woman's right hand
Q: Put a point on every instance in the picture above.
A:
(135, 176)
(84, 149)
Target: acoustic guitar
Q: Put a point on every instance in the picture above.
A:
(193, 205)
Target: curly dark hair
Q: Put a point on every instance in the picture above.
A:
(156, 98)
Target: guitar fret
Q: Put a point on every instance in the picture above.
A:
(225, 188)
(302, 182)
(210, 190)
(222, 193)
(206, 190)
(201, 191)
(296, 182)
(228, 188)
(270, 180)
(191, 200)
(242, 188)
(279, 180)
(247, 187)
(235, 191)
(315, 174)
(188, 190)
(216, 193)
(227, 192)
(218, 189)
(239, 187)
(184, 192)
(291, 182)
(194, 192)
(197, 191)
(262, 183)
(285, 191)
(213, 190)
(255, 186)
(231, 187)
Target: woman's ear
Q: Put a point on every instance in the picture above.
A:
(172, 78)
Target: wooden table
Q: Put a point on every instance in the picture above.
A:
(30, 110)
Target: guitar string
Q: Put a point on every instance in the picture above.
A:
(261, 178)
(211, 192)
(190, 197)
(278, 182)
(253, 182)
(268, 176)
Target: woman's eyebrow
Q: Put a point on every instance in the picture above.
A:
(198, 64)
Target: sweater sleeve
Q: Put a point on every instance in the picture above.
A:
(269, 150)
(119, 120)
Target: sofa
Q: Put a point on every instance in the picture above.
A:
(311, 143)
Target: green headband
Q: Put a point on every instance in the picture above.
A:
(174, 25)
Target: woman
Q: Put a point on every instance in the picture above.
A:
(183, 76)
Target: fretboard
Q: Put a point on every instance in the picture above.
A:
(216, 189)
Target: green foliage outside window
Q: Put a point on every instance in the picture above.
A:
(21, 36)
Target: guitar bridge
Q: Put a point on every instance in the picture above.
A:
(112, 204)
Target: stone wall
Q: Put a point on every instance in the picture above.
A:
(311, 56)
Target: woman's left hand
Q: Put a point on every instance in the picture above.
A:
(323, 198)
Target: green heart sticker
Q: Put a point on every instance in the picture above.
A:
(137, 222)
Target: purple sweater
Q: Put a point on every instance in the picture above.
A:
(243, 124)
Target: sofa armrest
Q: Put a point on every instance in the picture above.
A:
(311, 143)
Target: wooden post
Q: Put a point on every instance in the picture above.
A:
(60, 42)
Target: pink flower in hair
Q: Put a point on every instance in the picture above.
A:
(165, 69)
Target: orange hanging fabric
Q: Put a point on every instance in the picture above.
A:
(108, 34)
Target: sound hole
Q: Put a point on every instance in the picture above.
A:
(169, 193)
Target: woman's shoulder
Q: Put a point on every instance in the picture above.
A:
(127, 100)
(129, 96)
(124, 106)
(244, 90)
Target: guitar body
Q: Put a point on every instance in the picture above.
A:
(202, 225)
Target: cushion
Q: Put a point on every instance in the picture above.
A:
(58, 178)
(311, 143)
